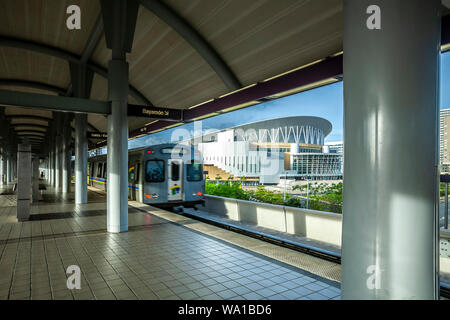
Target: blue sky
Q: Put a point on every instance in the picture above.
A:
(325, 102)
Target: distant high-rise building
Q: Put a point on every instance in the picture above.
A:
(338, 148)
(270, 150)
(335, 147)
(444, 136)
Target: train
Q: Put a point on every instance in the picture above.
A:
(168, 176)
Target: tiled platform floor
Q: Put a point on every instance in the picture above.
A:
(157, 259)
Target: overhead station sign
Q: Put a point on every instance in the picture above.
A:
(97, 135)
(135, 110)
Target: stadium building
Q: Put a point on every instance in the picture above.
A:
(270, 150)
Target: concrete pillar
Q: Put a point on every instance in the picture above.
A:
(58, 162)
(53, 164)
(58, 150)
(4, 167)
(119, 20)
(47, 176)
(9, 168)
(82, 83)
(66, 154)
(24, 182)
(81, 155)
(35, 173)
(14, 168)
(117, 157)
(389, 244)
(50, 165)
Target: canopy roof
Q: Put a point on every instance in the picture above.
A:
(185, 53)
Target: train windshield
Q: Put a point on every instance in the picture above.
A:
(194, 172)
(154, 171)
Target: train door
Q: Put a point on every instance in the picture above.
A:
(137, 182)
(132, 169)
(89, 176)
(175, 179)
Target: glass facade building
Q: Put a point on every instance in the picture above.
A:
(291, 147)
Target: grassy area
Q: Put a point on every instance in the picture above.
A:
(326, 193)
(322, 197)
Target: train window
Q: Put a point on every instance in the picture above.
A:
(105, 172)
(175, 171)
(194, 172)
(99, 170)
(154, 171)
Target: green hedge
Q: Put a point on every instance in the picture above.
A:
(329, 202)
(228, 190)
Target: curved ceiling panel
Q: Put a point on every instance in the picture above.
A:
(165, 67)
(28, 122)
(27, 111)
(44, 21)
(264, 38)
(255, 39)
(32, 66)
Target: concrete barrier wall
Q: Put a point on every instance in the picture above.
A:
(224, 207)
(315, 225)
(264, 215)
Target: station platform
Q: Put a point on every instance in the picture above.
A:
(162, 256)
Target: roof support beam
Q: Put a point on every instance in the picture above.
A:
(38, 47)
(22, 132)
(317, 73)
(90, 46)
(57, 103)
(33, 117)
(27, 117)
(93, 41)
(32, 84)
(35, 136)
(195, 39)
(65, 55)
(31, 125)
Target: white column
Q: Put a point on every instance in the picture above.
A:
(23, 182)
(389, 246)
(81, 156)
